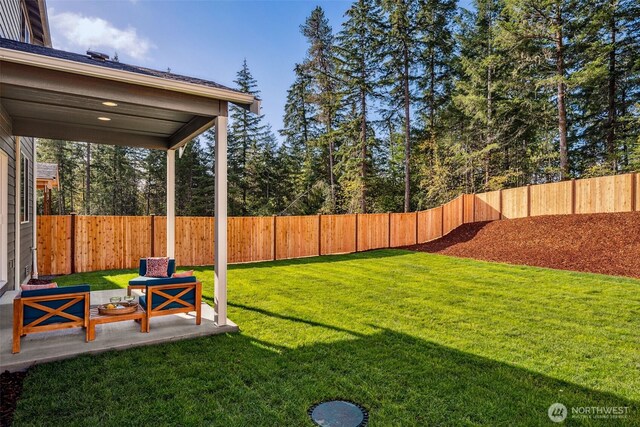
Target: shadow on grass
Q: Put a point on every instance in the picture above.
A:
(237, 380)
(294, 319)
(356, 256)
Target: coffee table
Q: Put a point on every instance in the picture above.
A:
(95, 318)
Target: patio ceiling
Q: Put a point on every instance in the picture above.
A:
(60, 95)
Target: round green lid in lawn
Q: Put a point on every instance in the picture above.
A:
(338, 413)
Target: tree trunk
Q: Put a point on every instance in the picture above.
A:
(611, 110)
(432, 95)
(623, 113)
(363, 151)
(407, 132)
(562, 109)
(489, 136)
(331, 177)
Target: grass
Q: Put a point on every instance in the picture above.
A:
(418, 339)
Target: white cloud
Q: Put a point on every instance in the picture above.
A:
(73, 30)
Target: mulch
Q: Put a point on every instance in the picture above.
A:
(596, 243)
(11, 386)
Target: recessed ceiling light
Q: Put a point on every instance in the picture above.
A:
(104, 119)
(110, 104)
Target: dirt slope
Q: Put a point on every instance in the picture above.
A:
(597, 243)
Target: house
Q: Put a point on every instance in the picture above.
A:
(46, 180)
(49, 93)
(24, 21)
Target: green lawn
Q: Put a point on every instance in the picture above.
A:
(418, 339)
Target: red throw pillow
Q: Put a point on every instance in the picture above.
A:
(157, 267)
(183, 274)
(28, 287)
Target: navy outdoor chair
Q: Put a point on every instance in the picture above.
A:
(142, 281)
(46, 310)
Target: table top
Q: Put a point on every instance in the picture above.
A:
(94, 315)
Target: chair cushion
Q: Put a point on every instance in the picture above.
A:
(56, 291)
(28, 287)
(149, 281)
(189, 297)
(142, 270)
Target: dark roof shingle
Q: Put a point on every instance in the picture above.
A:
(85, 59)
(46, 170)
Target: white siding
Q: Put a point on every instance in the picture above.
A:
(10, 19)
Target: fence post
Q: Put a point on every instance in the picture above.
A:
(462, 209)
(73, 242)
(319, 234)
(441, 220)
(500, 203)
(273, 227)
(634, 194)
(528, 200)
(389, 230)
(356, 227)
(573, 195)
(153, 234)
(417, 218)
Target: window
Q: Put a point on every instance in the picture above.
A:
(26, 32)
(24, 190)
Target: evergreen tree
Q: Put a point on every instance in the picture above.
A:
(154, 178)
(358, 53)
(400, 69)
(436, 50)
(605, 37)
(300, 158)
(246, 137)
(114, 180)
(320, 66)
(194, 182)
(543, 27)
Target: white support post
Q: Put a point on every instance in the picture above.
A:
(171, 203)
(17, 220)
(34, 261)
(220, 249)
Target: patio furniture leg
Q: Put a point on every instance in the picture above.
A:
(198, 303)
(17, 326)
(91, 332)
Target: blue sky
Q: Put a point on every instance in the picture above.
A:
(207, 39)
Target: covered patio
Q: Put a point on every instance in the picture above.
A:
(63, 344)
(47, 93)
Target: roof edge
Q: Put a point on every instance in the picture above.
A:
(64, 65)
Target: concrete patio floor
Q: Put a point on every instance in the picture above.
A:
(64, 344)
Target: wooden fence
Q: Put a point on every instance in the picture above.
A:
(75, 243)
